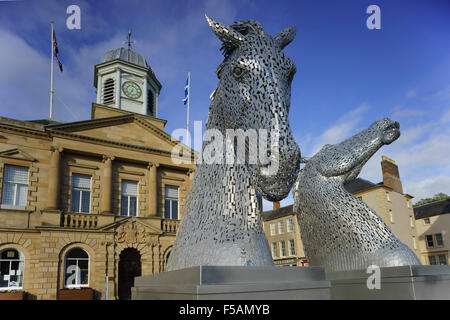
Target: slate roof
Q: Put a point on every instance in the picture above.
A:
(278, 213)
(432, 209)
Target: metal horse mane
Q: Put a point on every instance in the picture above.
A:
(221, 222)
(339, 231)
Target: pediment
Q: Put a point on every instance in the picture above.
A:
(16, 154)
(131, 223)
(130, 129)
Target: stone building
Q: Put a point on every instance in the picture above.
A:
(91, 204)
(433, 226)
(386, 198)
(283, 235)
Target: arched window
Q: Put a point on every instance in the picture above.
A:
(108, 91)
(11, 269)
(150, 103)
(76, 270)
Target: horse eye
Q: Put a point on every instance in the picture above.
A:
(238, 72)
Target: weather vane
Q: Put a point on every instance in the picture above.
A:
(129, 42)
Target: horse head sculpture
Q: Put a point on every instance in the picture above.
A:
(339, 231)
(254, 92)
(221, 221)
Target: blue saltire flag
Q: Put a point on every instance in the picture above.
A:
(186, 91)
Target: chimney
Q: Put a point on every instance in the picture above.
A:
(391, 176)
(276, 205)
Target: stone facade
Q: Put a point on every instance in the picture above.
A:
(433, 238)
(113, 146)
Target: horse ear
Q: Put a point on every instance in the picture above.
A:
(225, 33)
(286, 36)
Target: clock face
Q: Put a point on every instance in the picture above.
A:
(131, 90)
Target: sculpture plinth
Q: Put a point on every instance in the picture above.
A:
(396, 283)
(234, 283)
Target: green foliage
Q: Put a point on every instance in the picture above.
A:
(437, 197)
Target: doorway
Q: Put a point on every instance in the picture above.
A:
(129, 268)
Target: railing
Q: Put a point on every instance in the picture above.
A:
(80, 221)
(169, 225)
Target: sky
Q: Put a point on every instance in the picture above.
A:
(347, 76)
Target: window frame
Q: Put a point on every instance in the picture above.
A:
(15, 184)
(291, 247)
(274, 250)
(436, 239)
(427, 240)
(171, 200)
(21, 262)
(273, 229)
(71, 286)
(290, 225)
(128, 198)
(280, 227)
(81, 190)
(283, 253)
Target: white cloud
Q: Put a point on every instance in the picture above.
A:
(399, 112)
(23, 75)
(342, 129)
(427, 188)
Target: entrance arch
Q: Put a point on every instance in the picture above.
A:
(129, 268)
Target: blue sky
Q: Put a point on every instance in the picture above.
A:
(347, 75)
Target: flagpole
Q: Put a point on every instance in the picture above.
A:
(51, 75)
(188, 98)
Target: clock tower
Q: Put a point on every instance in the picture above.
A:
(125, 80)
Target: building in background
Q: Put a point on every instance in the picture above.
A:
(386, 198)
(283, 234)
(432, 227)
(91, 204)
(389, 201)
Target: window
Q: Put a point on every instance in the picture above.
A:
(439, 241)
(150, 103)
(291, 247)
(414, 242)
(171, 203)
(388, 196)
(430, 242)
(440, 259)
(426, 221)
(283, 248)
(432, 260)
(128, 202)
(411, 222)
(274, 249)
(11, 269)
(432, 239)
(272, 229)
(290, 225)
(80, 200)
(76, 272)
(108, 91)
(408, 203)
(280, 227)
(391, 216)
(15, 187)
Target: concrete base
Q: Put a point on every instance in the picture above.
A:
(234, 283)
(396, 283)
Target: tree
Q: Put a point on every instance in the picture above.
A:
(437, 197)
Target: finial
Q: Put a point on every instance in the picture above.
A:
(129, 42)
